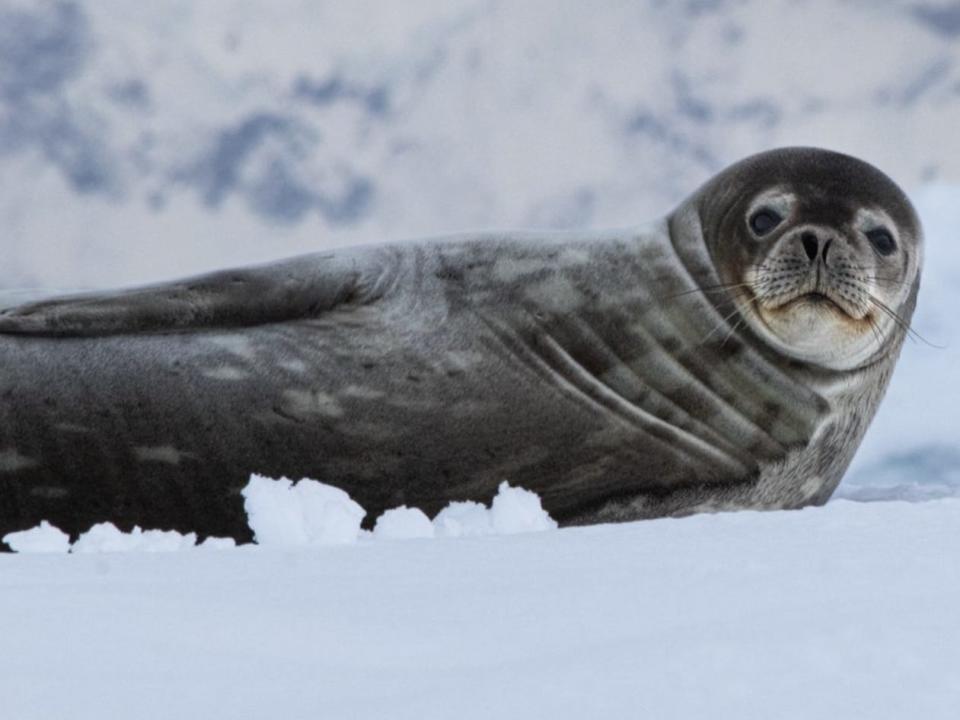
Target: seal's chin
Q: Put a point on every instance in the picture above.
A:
(815, 327)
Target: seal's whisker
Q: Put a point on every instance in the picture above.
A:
(725, 321)
(878, 336)
(891, 281)
(759, 284)
(907, 328)
(736, 326)
(737, 309)
(710, 288)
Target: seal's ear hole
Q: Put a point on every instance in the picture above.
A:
(764, 220)
(882, 241)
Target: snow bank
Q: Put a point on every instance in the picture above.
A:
(308, 513)
(44, 538)
(845, 611)
(514, 510)
(463, 519)
(106, 537)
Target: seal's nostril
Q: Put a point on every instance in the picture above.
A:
(826, 248)
(810, 244)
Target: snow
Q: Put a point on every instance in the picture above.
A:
(216, 543)
(844, 611)
(403, 523)
(45, 538)
(107, 538)
(463, 519)
(516, 510)
(284, 514)
(308, 513)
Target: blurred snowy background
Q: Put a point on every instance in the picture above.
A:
(140, 141)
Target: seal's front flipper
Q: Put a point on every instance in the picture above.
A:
(299, 288)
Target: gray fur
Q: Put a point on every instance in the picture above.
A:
(594, 370)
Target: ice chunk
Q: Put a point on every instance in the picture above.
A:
(106, 537)
(516, 510)
(284, 514)
(403, 523)
(45, 538)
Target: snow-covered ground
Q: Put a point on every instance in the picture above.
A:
(847, 611)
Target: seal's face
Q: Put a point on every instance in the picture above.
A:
(821, 253)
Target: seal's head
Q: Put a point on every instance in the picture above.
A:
(821, 253)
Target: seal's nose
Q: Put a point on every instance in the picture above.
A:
(811, 246)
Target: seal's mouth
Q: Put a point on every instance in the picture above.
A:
(818, 298)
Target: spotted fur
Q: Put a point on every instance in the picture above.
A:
(611, 373)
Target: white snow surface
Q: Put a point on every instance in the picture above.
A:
(846, 611)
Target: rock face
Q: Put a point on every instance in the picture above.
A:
(150, 141)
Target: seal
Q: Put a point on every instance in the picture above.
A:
(730, 355)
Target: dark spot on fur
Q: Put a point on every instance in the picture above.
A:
(671, 344)
(689, 399)
(728, 348)
(771, 411)
(452, 274)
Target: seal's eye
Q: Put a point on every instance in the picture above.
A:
(882, 241)
(764, 220)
